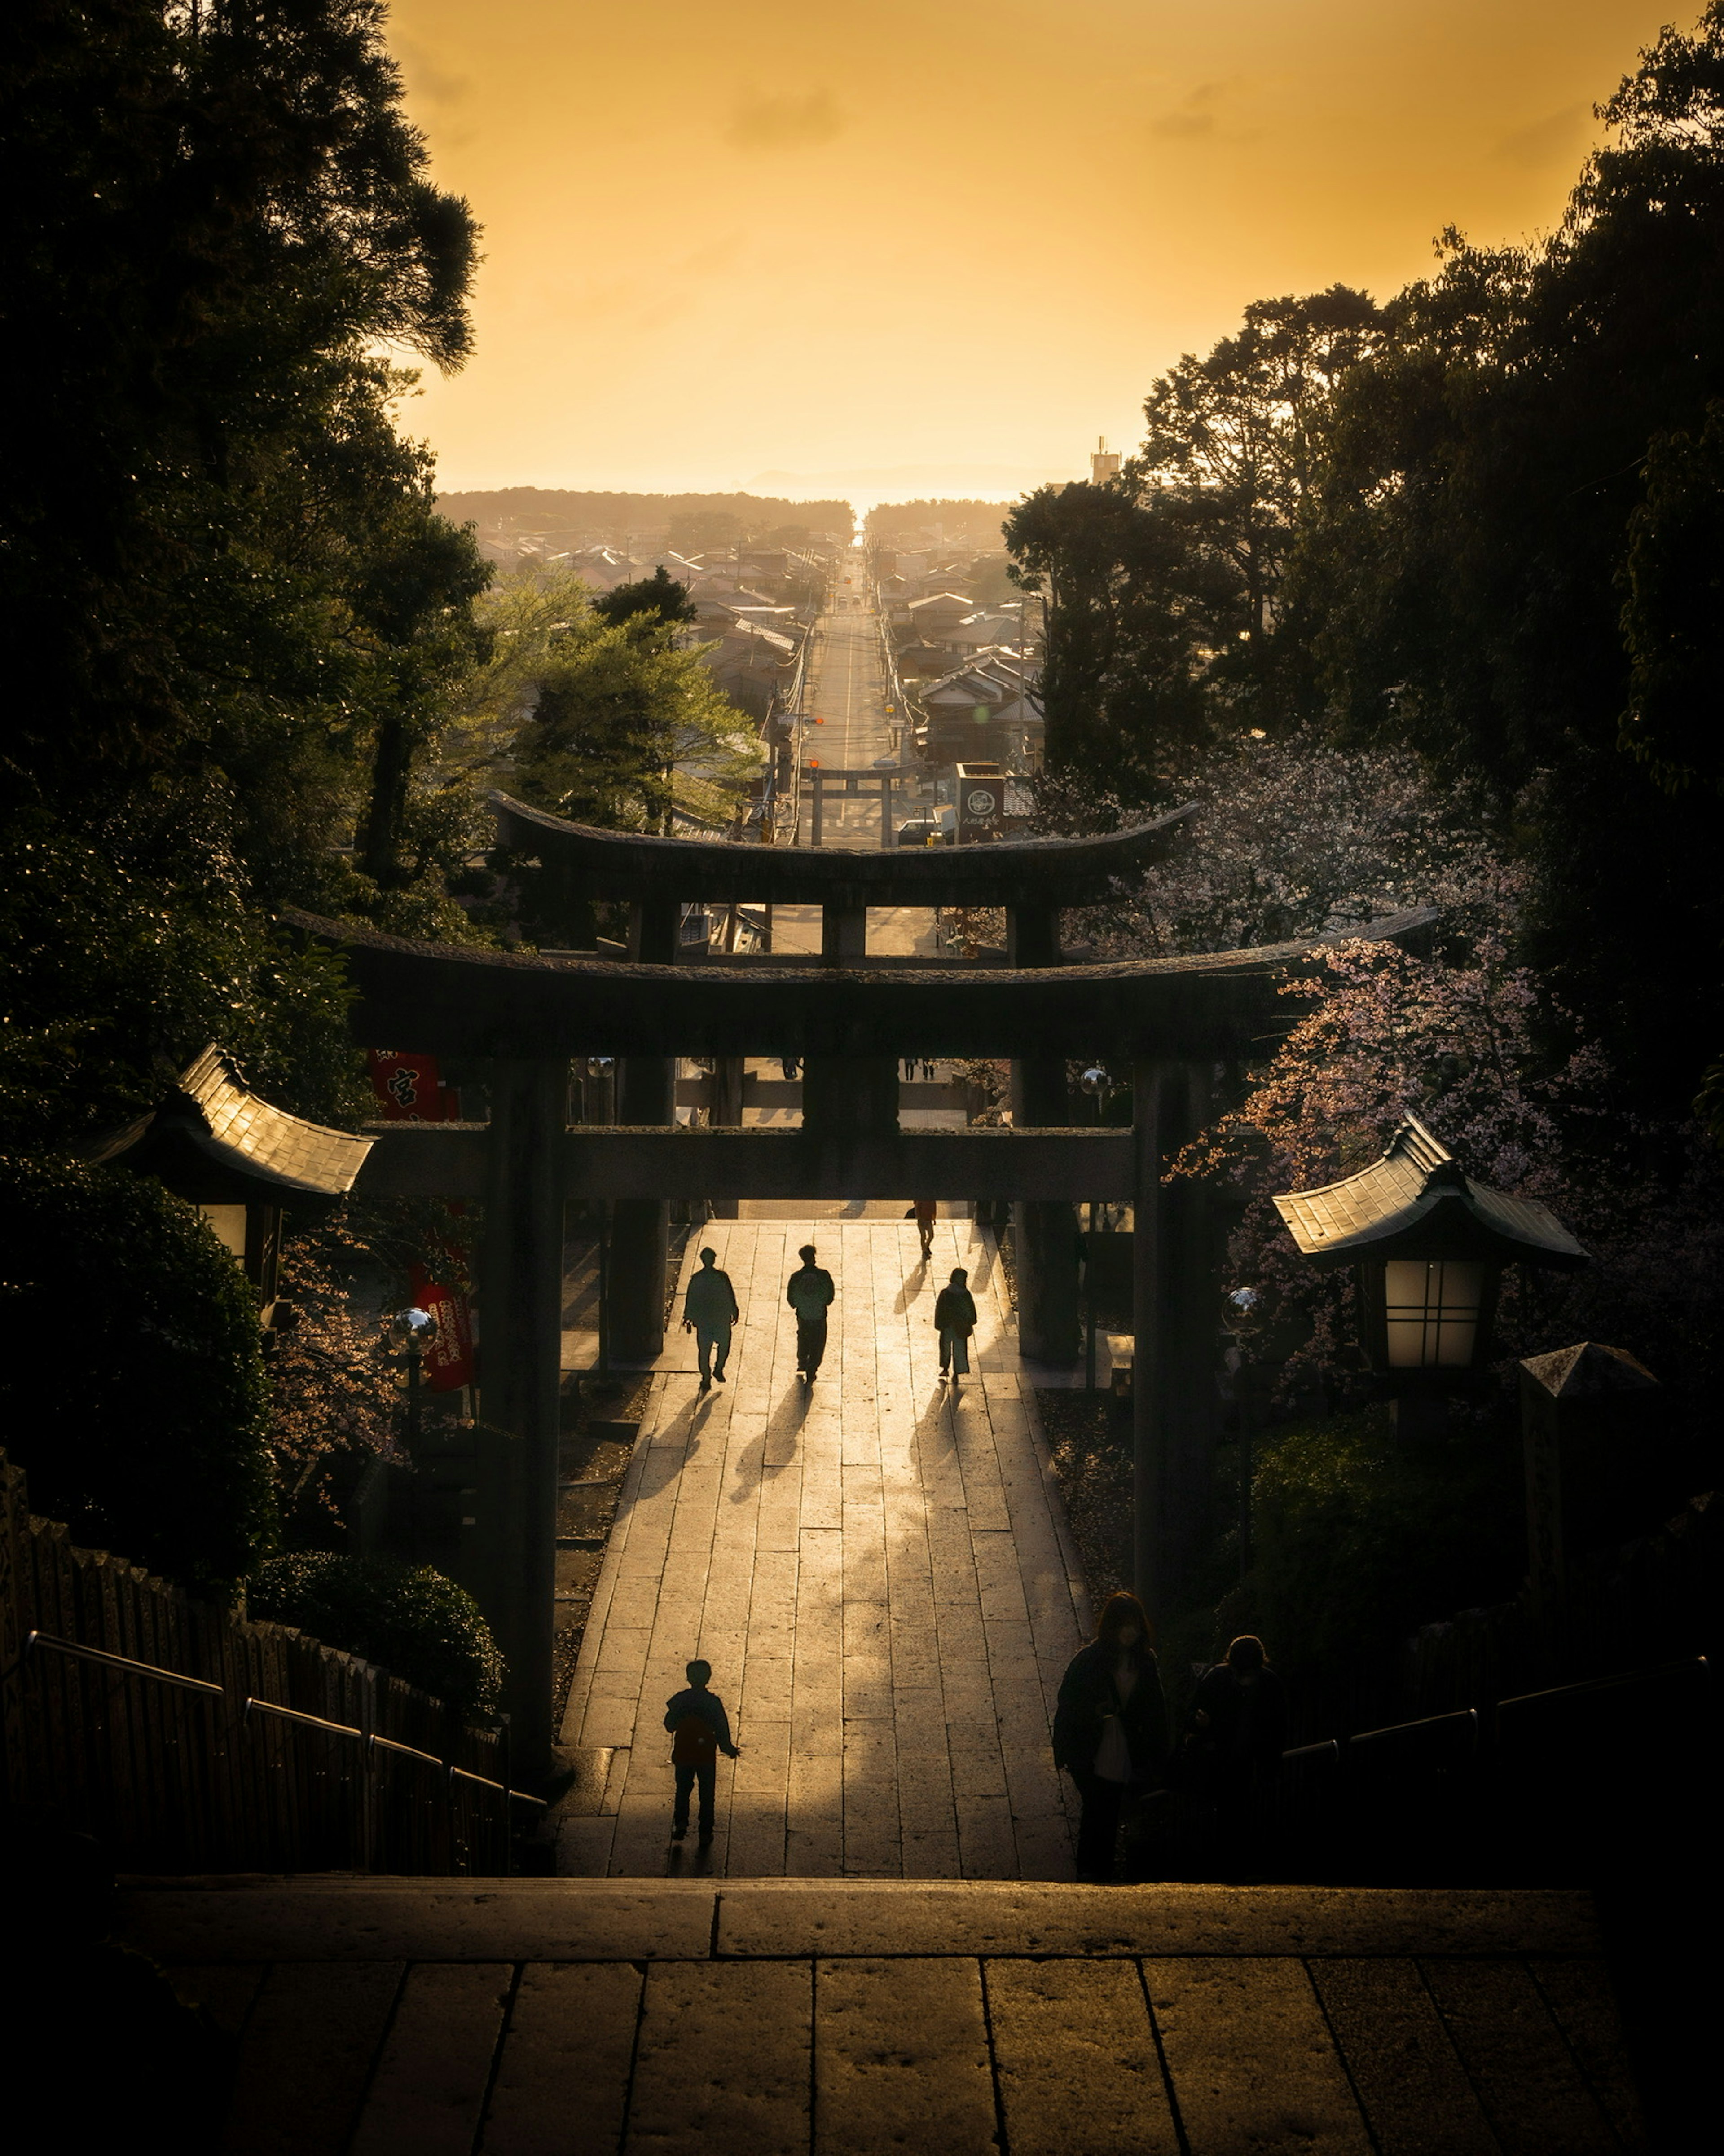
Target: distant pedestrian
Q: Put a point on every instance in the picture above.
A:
(910, 1066)
(926, 1211)
(955, 1319)
(928, 1071)
(709, 1311)
(810, 1294)
(1111, 1726)
(1236, 1732)
(791, 1066)
(700, 1730)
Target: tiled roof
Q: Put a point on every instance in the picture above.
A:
(234, 1131)
(1418, 1190)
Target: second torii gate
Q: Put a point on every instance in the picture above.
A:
(849, 1020)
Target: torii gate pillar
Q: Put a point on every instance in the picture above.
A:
(1173, 1397)
(640, 1227)
(1044, 1231)
(521, 1317)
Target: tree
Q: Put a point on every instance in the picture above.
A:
(229, 610)
(628, 730)
(1135, 610)
(1166, 625)
(1461, 561)
(1673, 618)
(657, 597)
(134, 1389)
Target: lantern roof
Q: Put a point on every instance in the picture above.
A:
(215, 1142)
(1418, 1202)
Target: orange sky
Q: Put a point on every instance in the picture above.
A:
(941, 246)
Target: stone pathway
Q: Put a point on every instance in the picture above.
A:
(883, 1582)
(540, 2017)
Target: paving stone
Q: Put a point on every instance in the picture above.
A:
(224, 1991)
(330, 2012)
(1580, 1995)
(1252, 2063)
(1533, 2093)
(900, 2059)
(377, 1920)
(429, 2088)
(563, 2075)
(984, 1918)
(1410, 2081)
(722, 2063)
(1076, 2059)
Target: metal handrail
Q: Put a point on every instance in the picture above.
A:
(484, 1782)
(391, 1744)
(1605, 1683)
(1469, 1714)
(293, 1714)
(125, 1662)
(1311, 1751)
(407, 1751)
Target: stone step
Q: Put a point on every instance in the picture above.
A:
(522, 2017)
(250, 1917)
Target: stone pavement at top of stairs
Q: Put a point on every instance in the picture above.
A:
(537, 2017)
(882, 1580)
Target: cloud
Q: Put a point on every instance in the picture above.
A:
(424, 77)
(785, 122)
(1558, 136)
(1195, 114)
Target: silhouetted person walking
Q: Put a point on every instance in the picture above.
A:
(701, 1730)
(1236, 1733)
(926, 1211)
(810, 1294)
(1111, 1726)
(955, 1321)
(709, 1311)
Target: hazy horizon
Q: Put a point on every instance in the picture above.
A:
(911, 254)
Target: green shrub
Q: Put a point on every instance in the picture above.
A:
(407, 1618)
(133, 1389)
(1360, 1534)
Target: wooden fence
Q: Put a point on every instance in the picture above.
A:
(187, 1739)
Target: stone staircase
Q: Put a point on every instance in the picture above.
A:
(564, 2017)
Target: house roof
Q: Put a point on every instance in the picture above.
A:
(1417, 1201)
(214, 1142)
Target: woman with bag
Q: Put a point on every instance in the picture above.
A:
(1111, 1726)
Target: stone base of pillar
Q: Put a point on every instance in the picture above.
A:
(1044, 1250)
(641, 1230)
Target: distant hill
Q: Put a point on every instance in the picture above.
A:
(564, 517)
(959, 523)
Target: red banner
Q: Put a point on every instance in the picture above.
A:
(448, 1360)
(411, 1088)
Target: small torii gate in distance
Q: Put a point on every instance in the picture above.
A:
(849, 1019)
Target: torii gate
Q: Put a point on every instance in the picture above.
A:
(849, 1019)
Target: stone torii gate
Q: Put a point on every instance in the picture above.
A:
(849, 1019)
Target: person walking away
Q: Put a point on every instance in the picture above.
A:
(1111, 1726)
(1236, 1734)
(810, 1294)
(910, 1066)
(709, 1311)
(700, 1730)
(926, 1211)
(927, 1071)
(955, 1321)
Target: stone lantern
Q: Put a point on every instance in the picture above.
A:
(1429, 1244)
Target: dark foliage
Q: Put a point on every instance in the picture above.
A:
(133, 1391)
(657, 597)
(407, 1618)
